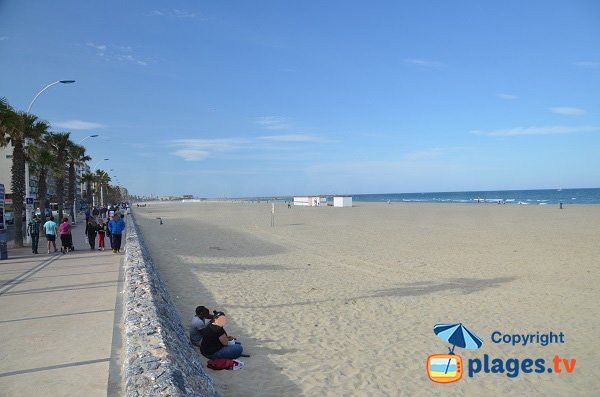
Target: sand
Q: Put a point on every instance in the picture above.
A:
(342, 301)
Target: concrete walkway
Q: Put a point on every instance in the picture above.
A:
(59, 321)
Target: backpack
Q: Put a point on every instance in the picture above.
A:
(224, 363)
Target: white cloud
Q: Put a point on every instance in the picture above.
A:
(424, 62)
(176, 13)
(112, 52)
(99, 47)
(78, 125)
(588, 64)
(426, 154)
(292, 138)
(191, 155)
(550, 130)
(506, 96)
(200, 149)
(273, 122)
(568, 111)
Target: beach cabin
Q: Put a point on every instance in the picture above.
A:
(310, 201)
(342, 201)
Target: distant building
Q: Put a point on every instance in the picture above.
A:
(188, 196)
(342, 201)
(310, 201)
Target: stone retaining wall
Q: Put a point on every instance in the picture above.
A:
(159, 359)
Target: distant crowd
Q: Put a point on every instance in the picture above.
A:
(101, 223)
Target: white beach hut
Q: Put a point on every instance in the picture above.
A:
(311, 201)
(342, 201)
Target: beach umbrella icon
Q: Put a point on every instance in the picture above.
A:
(457, 335)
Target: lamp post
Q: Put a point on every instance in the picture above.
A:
(27, 187)
(87, 137)
(101, 193)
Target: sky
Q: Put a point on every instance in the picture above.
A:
(266, 98)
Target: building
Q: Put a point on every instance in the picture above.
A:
(6, 178)
(342, 201)
(310, 201)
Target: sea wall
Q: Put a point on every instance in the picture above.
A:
(158, 359)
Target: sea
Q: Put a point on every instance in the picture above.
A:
(522, 197)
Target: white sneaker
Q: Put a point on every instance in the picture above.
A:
(237, 364)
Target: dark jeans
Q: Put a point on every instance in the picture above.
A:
(229, 351)
(92, 240)
(35, 239)
(116, 241)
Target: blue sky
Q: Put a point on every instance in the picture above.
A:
(243, 98)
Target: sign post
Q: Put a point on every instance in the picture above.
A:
(3, 237)
(28, 212)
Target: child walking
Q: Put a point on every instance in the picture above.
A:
(101, 234)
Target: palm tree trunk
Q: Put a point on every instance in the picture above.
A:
(71, 194)
(42, 191)
(60, 187)
(18, 189)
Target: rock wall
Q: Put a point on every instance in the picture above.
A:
(159, 359)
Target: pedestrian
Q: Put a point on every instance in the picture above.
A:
(33, 230)
(90, 231)
(66, 240)
(51, 230)
(101, 228)
(116, 227)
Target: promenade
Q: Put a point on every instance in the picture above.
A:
(59, 321)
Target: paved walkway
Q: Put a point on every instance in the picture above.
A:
(58, 334)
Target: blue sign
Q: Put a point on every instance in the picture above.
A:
(29, 201)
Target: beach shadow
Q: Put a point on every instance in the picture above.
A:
(230, 268)
(463, 285)
(187, 292)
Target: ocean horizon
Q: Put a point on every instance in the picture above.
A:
(522, 197)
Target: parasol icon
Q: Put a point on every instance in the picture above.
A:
(457, 335)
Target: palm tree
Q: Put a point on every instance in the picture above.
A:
(17, 129)
(88, 178)
(75, 153)
(42, 159)
(60, 141)
(102, 179)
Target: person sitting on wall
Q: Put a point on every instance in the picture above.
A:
(215, 341)
(199, 322)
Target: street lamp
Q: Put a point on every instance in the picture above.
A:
(45, 88)
(89, 136)
(96, 166)
(27, 187)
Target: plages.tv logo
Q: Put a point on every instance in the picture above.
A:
(448, 368)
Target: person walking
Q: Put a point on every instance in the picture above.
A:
(101, 228)
(90, 231)
(51, 230)
(33, 230)
(116, 227)
(66, 240)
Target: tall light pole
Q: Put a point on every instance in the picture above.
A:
(27, 187)
(45, 88)
(101, 193)
(87, 137)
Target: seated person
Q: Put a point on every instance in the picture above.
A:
(215, 341)
(199, 321)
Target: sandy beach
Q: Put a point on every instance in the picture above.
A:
(342, 301)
